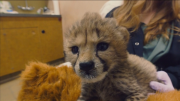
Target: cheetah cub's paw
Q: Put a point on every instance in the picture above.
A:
(136, 97)
(68, 64)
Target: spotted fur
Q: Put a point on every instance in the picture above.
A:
(117, 75)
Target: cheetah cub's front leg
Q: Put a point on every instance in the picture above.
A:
(87, 94)
(87, 98)
(131, 88)
(136, 97)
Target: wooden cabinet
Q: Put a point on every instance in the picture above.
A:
(5, 57)
(18, 47)
(20, 22)
(36, 39)
(49, 43)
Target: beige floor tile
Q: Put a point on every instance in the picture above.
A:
(9, 91)
(16, 81)
(15, 90)
(6, 95)
(5, 85)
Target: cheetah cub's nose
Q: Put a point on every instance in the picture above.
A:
(86, 66)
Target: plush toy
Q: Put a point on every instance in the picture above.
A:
(42, 82)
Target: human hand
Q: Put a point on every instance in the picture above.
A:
(167, 86)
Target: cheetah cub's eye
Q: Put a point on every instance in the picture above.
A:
(102, 46)
(74, 49)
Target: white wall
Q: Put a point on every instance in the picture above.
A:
(73, 10)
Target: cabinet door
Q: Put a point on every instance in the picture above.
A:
(18, 47)
(51, 39)
(19, 22)
(5, 56)
(0, 23)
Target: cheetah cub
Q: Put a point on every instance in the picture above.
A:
(97, 49)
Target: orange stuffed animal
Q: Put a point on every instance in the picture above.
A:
(41, 82)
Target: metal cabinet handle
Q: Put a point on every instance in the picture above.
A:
(43, 31)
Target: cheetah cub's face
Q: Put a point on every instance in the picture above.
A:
(94, 46)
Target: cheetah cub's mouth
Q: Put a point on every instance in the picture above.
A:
(94, 46)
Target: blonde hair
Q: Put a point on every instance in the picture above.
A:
(167, 11)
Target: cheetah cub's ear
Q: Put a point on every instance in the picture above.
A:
(124, 33)
(119, 31)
